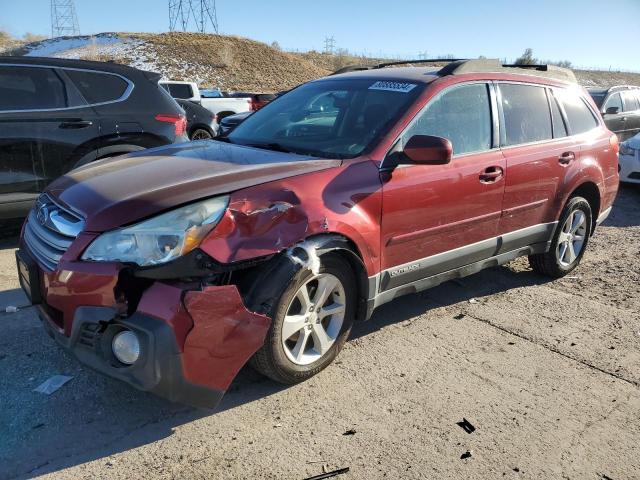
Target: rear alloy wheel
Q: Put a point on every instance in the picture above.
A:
(310, 324)
(201, 134)
(569, 241)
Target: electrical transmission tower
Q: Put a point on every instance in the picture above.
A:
(329, 45)
(201, 13)
(64, 21)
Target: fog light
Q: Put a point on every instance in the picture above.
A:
(126, 347)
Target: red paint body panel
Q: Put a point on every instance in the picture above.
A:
(225, 335)
(115, 192)
(164, 302)
(267, 218)
(434, 208)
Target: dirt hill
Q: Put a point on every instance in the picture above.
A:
(227, 62)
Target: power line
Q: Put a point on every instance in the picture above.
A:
(202, 14)
(64, 21)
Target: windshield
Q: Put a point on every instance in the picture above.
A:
(328, 118)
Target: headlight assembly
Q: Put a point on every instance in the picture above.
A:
(159, 239)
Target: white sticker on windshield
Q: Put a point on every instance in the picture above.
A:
(393, 86)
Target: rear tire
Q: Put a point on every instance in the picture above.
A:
(201, 134)
(314, 337)
(569, 241)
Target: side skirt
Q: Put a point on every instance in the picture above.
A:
(430, 272)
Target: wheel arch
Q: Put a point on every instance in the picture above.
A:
(201, 126)
(591, 193)
(263, 284)
(224, 114)
(110, 151)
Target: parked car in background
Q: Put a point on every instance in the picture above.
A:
(177, 267)
(620, 108)
(629, 160)
(227, 124)
(221, 107)
(258, 100)
(201, 123)
(58, 114)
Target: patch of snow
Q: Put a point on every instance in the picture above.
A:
(57, 46)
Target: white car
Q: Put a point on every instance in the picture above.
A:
(629, 160)
(220, 106)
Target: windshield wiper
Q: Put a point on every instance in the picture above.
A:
(276, 147)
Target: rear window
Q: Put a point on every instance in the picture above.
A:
(98, 87)
(265, 97)
(31, 88)
(559, 128)
(526, 114)
(180, 90)
(579, 116)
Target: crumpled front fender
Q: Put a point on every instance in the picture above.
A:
(225, 335)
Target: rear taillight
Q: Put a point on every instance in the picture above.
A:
(615, 145)
(179, 121)
(253, 105)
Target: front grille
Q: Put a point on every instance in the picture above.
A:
(50, 230)
(89, 334)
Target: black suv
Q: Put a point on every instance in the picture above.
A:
(58, 114)
(620, 108)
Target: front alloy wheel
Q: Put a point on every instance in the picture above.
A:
(310, 322)
(314, 319)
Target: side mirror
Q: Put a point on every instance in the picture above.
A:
(428, 150)
(612, 111)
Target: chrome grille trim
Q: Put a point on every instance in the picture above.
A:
(50, 230)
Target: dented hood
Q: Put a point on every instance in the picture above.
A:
(114, 192)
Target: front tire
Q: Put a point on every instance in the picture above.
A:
(311, 323)
(569, 241)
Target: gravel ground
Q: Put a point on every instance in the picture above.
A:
(547, 372)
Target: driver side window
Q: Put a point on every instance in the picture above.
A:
(461, 114)
(613, 101)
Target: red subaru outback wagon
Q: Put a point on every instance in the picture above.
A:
(171, 268)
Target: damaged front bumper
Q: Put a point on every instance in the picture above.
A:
(193, 341)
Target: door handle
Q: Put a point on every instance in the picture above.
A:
(73, 124)
(566, 158)
(491, 175)
(623, 119)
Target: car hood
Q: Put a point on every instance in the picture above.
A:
(633, 142)
(114, 192)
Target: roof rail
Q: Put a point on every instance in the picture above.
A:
(358, 68)
(494, 65)
(352, 68)
(458, 66)
(422, 60)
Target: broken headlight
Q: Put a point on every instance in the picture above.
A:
(159, 239)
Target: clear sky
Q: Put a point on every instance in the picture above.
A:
(591, 33)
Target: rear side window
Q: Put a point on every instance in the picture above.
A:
(98, 87)
(462, 115)
(180, 90)
(559, 128)
(526, 114)
(31, 88)
(630, 101)
(613, 101)
(579, 115)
